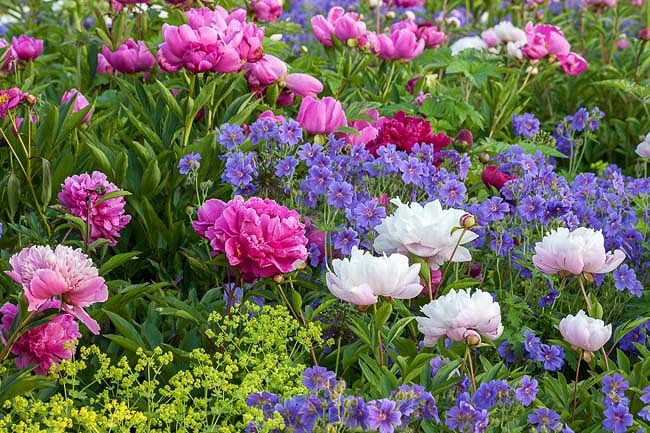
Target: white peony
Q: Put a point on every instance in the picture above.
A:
(643, 149)
(426, 231)
(467, 43)
(507, 32)
(362, 278)
(459, 315)
(585, 332)
(575, 252)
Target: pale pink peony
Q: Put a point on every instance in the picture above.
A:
(65, 274)
(576, 252)
(45, 345)
(362, 278)
(460, 315)
(259, 237)
(107, 218)
(585, 332)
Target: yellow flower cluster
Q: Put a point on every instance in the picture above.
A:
(252, 350)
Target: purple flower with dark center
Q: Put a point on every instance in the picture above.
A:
(230, 136)
(486, 395)
(527, 391)
(532, 344)
(545, 419)
(232, 294)
(506, 353)
(594, 118)
(465, 418)
(345, 240)
(308, 151)
(452, 193)
(548, 299)
(189, 163)
(501, 243)
(617, 418)
(290, 132)
(383, 415)
(412, 171)
(525, 125)
(340, 195)
(625, 278)
(579, 119)
(531, 208)
(369, 214)
(263, 400)
(263, 130)
(552, 356)
(239, 169)
(493, 209)
(286, 166)
(389, 158)
(319, 179)
(636, 335)
(614, 387)
(317, 378)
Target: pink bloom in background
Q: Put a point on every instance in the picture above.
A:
(258, 236)
(402, 44)
(107, 218)
(346, 26)
(26, 48)
(15, 128)
(45, 345)
(268, 114)
(585, 332)
(103, 67)
(573, 64)
(132, 2)
(368, 129)
(80, 102)
(206, 17)
(303, 85)
(65, 274)
(601, 3)
(491, 38)
(431, 35)
(545, 40)
(8, 58)
(130, 57)
(407, 3)
(265, 72)
(321, 117)
(266, 10)
(575, 252)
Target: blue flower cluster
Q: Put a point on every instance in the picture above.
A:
(567, 132)
(617, 413)
(550, 355)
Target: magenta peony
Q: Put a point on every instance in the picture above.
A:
(405, 131)
(321, 117)
(45, 345)
(573, 64)
(80, 102)
(10, 99)
(266, 10)
(64, 274)
(303, 85)
(545, 40)
(403, 44)
(106, 218)
(130, 57)
(265, 72)
(258, 236)
(345, 26)
(26, 48)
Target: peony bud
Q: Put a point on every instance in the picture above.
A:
(467, 221)
(279, 278)
(472, 338)
(484, 157)
(644, 35)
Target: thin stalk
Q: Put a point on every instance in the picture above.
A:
(575, 387)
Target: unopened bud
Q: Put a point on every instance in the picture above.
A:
(588, 277)
(390, 15)
(467, 221)
(644, 35)
(31, 99)
(353, 43)
(362, 308)
(484, 157)
(276, 37)
(587, 356)
(472, 338)
(279, 278)
(410, 15)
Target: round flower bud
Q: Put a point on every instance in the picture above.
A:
(472, 338)
(467, 221)
(279, 278)
(644, 35)
(484, 157)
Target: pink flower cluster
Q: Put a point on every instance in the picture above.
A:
(11, 98)
(22, 48)
(211, 41)
(547, 41)
(128, 58)
(406, 40)
(266, 10)
(44, 345)
(63, 274)
(80, 195)
(258, 236)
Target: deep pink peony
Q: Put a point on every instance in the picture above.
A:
(26, 48)
(402, 44)
(80, 102)
(492, 176)
(345, 26)
(368, 129)
(545, 40)
(106, 218)
(321, 117)
(431, 35)
(407, 3)
(265, 72)
(266, 10)
(63, 274)
(303, 85)
(10, 99)
(130, 57)
(45, 345)
(404, 132)
(573, 64)
(103, 67)
(259, 237)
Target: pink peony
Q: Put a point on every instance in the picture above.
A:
(303, 85)
(492, 176)
(45, 345)
(103, 67)
(64, 274)
(573, 64)
(345, 26)
(321, 117)
(10, 99)
(431, 35)
(26, 48)
(403, 44)
(106, 218)
(575, 252)
(258, 236)
(585, 332)
(265, 72)
(545, 40)
(130, 57)
(80, 102)
(368, 130)
(266, 10)
(7, 57)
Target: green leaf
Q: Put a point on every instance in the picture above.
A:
(21, 383)
(382, 315)
(124, 342)
(125, 328)
(111, 195)
(116, 261)
(46, 184)
(150, 178)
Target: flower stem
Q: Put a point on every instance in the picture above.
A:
(468, 357)
(584, 295)
(575, 387)
(14, 337)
